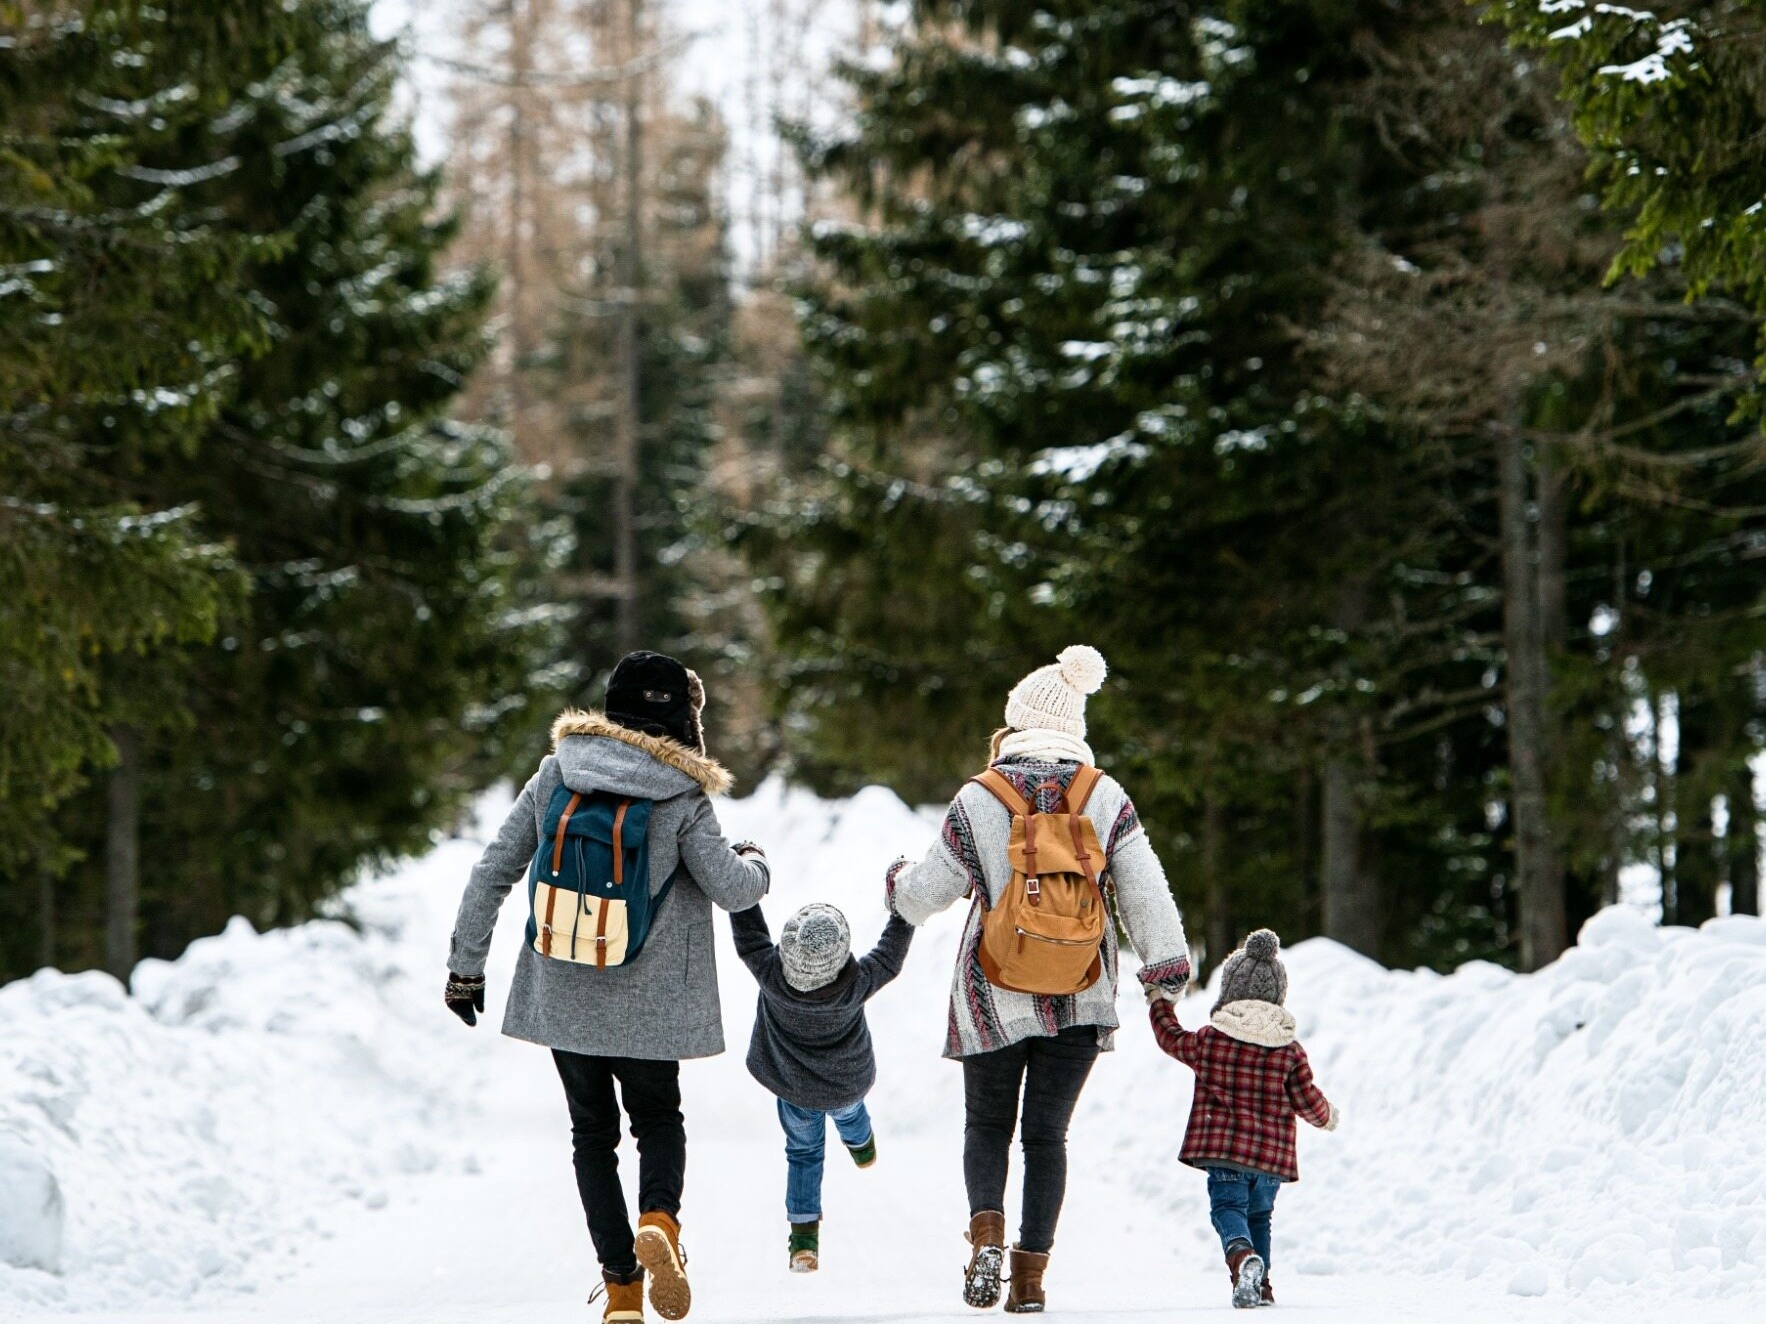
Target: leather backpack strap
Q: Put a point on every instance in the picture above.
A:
(576, 798)
(1000, 787)
(1079, 790)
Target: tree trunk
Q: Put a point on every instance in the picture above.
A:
(122, 865)
(1744, 844)
(1220, 917)
(625, 483)
(45, 919)
(1537, 877)
(1351, 909)
(1350, 902)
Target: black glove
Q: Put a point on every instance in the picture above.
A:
(465, 996)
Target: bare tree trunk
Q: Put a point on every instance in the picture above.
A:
(1220, 916)
(1537, 875)
(515, 254)
(45, 918)
(1744, 844)
(1348, 894)
(1351, 910)
(122, 864)
(625, 484)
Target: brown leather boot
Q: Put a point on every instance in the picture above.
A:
(1268, 1291)
(658, 1245)
(1026, 1296)
(981, 1282)
(625, 1298)
(1246, 1268)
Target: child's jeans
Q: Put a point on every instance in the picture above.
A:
(805, 1133)
(1239, 1206)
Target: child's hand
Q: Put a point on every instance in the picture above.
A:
(749, 848)
(1335, 1117)
(1157, 993)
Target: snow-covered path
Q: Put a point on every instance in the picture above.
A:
(464, 1208)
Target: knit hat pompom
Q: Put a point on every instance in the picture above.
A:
(1262, 945)
(1053, 698)
(1082, 667)
(1254, 973)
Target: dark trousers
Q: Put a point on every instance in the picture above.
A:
(1048, 1074)
(651, 1092)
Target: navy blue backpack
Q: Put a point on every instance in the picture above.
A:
(588, 888)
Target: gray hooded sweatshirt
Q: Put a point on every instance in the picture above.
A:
(664, 1005)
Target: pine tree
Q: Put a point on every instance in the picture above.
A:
(126, 310)
(1060, 350)
(369, 682)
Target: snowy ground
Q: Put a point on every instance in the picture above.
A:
(289, 1127)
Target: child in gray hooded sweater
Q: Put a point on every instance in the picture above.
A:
(812, 1047)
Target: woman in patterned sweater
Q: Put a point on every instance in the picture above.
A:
(1026, 1057)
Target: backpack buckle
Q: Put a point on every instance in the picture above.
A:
(1033, 889)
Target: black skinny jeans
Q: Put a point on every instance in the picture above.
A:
(651, 1092)
(1049, 1073)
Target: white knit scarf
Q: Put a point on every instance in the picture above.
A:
(1055, 746)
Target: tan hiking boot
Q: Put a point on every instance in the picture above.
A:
(659, 1251)
(987, 1237)
(1026, 1296)
(624, 1299)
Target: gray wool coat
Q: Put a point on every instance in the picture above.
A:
(664, 1005)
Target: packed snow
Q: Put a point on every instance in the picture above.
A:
(290, 1126)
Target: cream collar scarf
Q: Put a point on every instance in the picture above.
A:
(1054, 746)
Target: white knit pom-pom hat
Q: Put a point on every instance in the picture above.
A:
(1053, 698)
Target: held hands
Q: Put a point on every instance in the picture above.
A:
(749, 848)
(465, 996)
(1157, 993)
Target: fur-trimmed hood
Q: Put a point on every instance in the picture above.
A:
(1254, 1022)
(671, 755)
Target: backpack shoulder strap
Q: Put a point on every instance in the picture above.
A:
(1079, 790)
(1000, 787)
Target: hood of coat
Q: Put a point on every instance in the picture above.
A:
(596, 753)
(1251, 1021)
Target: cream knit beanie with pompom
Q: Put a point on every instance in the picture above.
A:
(1053, 698)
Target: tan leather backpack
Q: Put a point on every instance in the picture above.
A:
(1045, 934)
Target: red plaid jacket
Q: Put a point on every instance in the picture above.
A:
(1247, 1097)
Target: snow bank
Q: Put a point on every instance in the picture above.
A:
(1589, 1133)
(192, 1137)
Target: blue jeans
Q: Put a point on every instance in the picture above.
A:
(806, 1130)
(1240, 1204)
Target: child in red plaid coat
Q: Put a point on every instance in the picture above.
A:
(1252, 1081)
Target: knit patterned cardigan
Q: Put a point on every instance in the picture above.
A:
(969, 857)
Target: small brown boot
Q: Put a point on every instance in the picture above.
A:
(981, 1282)
(1268, 1291)
(658, 1245)
(1026, 1296)
(625, 1298)
(1246, 1267)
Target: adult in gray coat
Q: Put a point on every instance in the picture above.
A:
(629, 1024)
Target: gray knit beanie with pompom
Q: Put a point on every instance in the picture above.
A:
(814, 947)
(1254, 972)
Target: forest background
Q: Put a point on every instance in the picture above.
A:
(1376, 384)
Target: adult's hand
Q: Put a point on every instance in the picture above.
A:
(465, 996)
